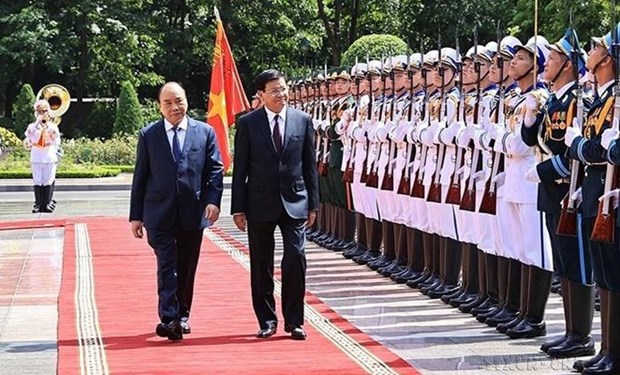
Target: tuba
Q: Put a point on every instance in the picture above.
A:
(58, 98)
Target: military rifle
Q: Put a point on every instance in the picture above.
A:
(373, 177)
(364, 176)
(417, 190)
(434, 193)
(404, 185)
(468, 202)
(318, 115)
(324, 164)
(488, 205)
(604, 225)
(388, 177)
(348, 172)
(454, 191)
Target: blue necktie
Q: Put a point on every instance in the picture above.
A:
(277, 139)
(176, 145)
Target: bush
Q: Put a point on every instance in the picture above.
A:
(120, 150)
(128, 111)
(150, 111)
(374, 46)
(10, 143)
(23, 110)
(100, 120)
(93, 172)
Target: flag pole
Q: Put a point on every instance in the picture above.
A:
(217, 14)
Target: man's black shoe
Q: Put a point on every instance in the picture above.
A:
(172, 330)
(185, 327)
(297, 333)
(269, 331)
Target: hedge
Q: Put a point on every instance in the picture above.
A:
(83, 173)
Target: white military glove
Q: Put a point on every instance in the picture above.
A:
(609, 135)
(500, 179)
(324, 124)
(577, 197)
(492, 131)
(448, 134)
(427, 135)
(441, 125)
(572, 133)
(613, 197)
(532, 175)
(531, 109)
(479, 175)
(459, 172)
(463, 138)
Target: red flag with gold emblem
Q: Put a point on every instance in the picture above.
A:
(227, 97)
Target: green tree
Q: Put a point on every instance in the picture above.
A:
(23, 109)
(26, 45)
(590, 18)
(375, 47)
(128, 119)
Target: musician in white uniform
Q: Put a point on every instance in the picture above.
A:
(43, 136)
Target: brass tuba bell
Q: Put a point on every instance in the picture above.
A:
(58, 98)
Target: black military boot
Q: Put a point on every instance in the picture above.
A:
(610, 363)
(510, 307)
(581, 364)
(523, 299)
(452, 267)
(568, 321)
(579, 342)
(45, 195)
(37, 199)
(470, 277)
(533, 323)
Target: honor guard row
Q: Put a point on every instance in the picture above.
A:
(475, 177)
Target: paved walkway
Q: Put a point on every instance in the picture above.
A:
(120, 182)
(433, 337)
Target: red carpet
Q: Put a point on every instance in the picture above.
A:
(223, 324)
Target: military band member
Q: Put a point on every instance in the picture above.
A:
(571, 258)
(586, 146)
(43, 137)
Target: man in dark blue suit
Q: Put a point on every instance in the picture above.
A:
(275, 183)
(176, 193)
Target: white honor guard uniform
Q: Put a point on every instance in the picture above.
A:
(357, 138)
(531, 243)
(444, 139)
(391, 137)
(43, 137)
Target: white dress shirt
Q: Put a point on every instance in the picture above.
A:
(281, 121)
(181, 131)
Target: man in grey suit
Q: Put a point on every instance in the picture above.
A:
(176, 193)
(275, 183)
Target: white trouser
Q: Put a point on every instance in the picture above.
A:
(43, 174)
(484, 232)
(357, 195)
(531, 238)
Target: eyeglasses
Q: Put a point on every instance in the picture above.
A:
(277, 92)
